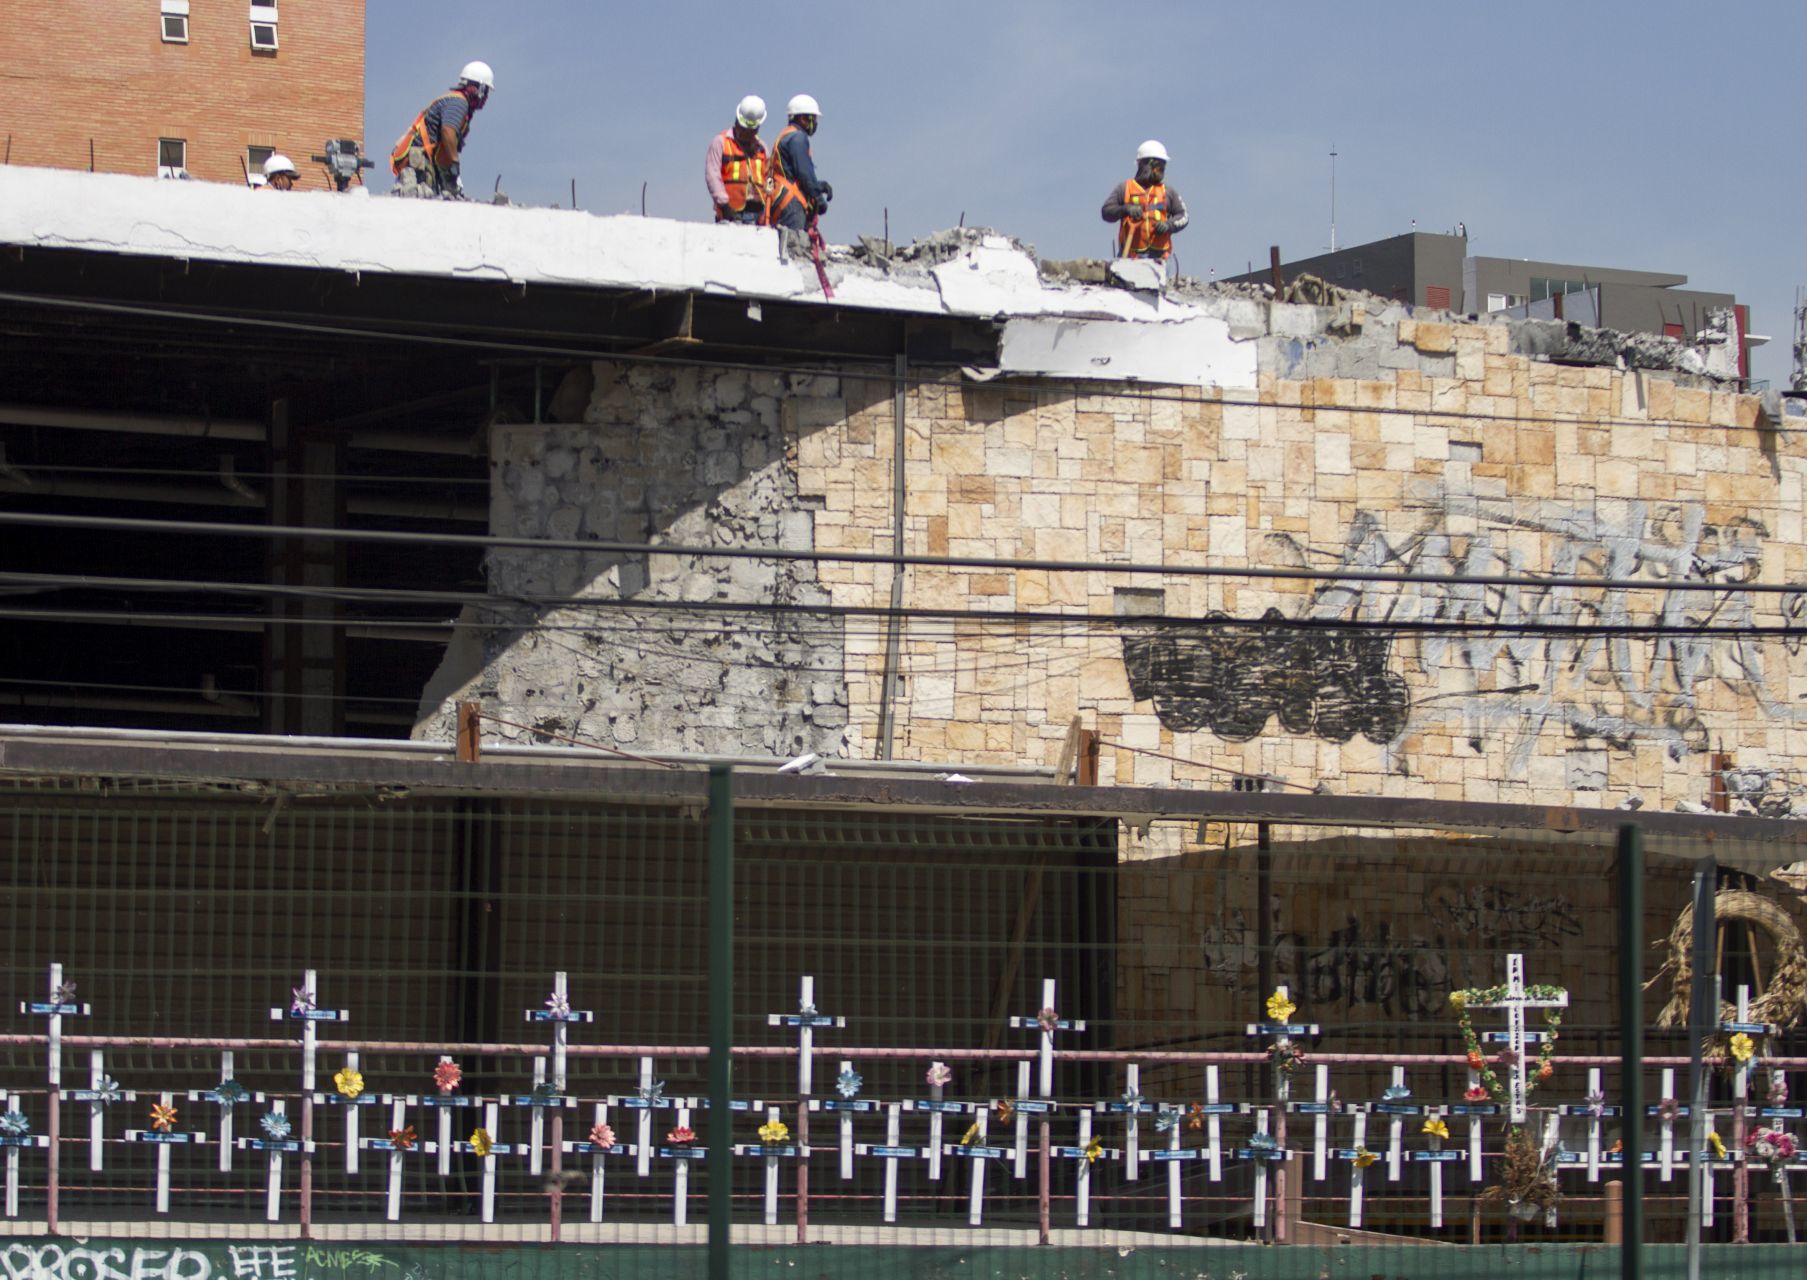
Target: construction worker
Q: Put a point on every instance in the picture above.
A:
(1147, 209)
(798, 195)
(279, 174)
(735, 168)
(426, 159)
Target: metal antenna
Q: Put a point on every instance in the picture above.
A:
(1333, 197)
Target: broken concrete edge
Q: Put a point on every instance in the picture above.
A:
(970, 272)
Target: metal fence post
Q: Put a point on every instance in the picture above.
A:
(1631, 1044)
(1703, 1018)
(721, 1016)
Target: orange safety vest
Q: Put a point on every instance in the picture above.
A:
(417, 136)
(1137, 236)
(744, 173)
(783, 189)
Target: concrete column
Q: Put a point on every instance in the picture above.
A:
(304, 656)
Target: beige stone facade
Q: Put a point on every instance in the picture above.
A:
(1507, 465)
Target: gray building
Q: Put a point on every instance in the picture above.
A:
(1430, 270)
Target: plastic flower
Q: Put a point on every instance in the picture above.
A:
(301, 1000)
(1263, 1142)
(1668, 1109)
(1165, 1119)
(1132, 1100)
(1436, 1127)
(682, 1136)
(348, 1082)
(1395, 1093)
(773, 1132)
(447, 1076)
(652, 1093)
(1596, 1104)
(939, 1074)
(481, 1143)
(1364, 1157)
(558, 1004)
(1476, 1059)
(1280, 1007)
(228, 1092)
(163, 1118)
(1743, 1047)
(1195, 1117)
(1006, 1112)
(1618, 1146)
(1094, 1149)
(1285, 1055)
(1778, 1088)
(1717, 1144)
(602, 1136)
(806, 1009)
(1545, 1070)
(1458, 1000)
(545, 1091)
(1048, 1018)
(849, 1083)
(1508, 1057)
(64, 993)
(15, 1124)
(1476, 1093)
(277, 1125)
(972, 1132)
(1773, 1147)
(404, 1139)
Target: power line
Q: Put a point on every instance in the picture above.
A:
(129, 524)
(206, 473)
(1074, 387)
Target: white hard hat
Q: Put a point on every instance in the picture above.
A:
(751, 111)
(279, 163)
(803, 105)
(1151, 150)
(478, 73)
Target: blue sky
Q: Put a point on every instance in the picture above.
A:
(1645, 134)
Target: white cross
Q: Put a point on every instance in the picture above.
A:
(1048, 1028)
(891, 1153)
(806, 1020)
(1083, 1153)
(60, 1004)
(1515, 1002)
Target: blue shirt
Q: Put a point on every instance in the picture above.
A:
(451, 112)
(798, 166)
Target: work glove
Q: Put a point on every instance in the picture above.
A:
(827, 193)
(1134, 214)
(1162, 228)
(721, 213)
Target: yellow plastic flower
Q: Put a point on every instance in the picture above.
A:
(1094, 1149)
(1364, 1157)
(350, 1083)
(481, 1142)
(1718, 1145)
(1458, 1000)
(1436, 1128)
(163, 1117)
(1280, 1007)
(773, 1132)
(1743, 1047)
(966, 1139)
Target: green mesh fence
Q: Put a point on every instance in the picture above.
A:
(1188, 1119)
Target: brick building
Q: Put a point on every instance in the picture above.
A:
(202, 86)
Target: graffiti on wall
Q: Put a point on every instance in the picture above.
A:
(1407, 972)
(1503, 685)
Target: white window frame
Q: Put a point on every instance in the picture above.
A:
(172, 170)
(178, 10)
(264, 36)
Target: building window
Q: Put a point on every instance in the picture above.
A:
(263, 27)
(172, 158)
(1545, 287)
(254, 160)
(175, 21)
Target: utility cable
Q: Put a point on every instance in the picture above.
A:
(1073, 387)
(396, 537)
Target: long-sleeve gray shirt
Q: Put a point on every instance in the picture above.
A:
(1117, 207)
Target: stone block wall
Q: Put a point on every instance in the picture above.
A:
(1441, 450)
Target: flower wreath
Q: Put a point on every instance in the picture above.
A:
(1471, 1041)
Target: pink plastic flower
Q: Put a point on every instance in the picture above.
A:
(448, 1075)
(682, 1136)
(939, 1074)
(602, 1136)
(1049, 1018)
(1476, 1093)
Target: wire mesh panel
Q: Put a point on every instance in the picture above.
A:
(298, 1029)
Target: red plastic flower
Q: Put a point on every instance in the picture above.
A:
(1476, 1093)
(1477, 1059)
(404, 1139)
(447, 1076)
(682, 1136)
